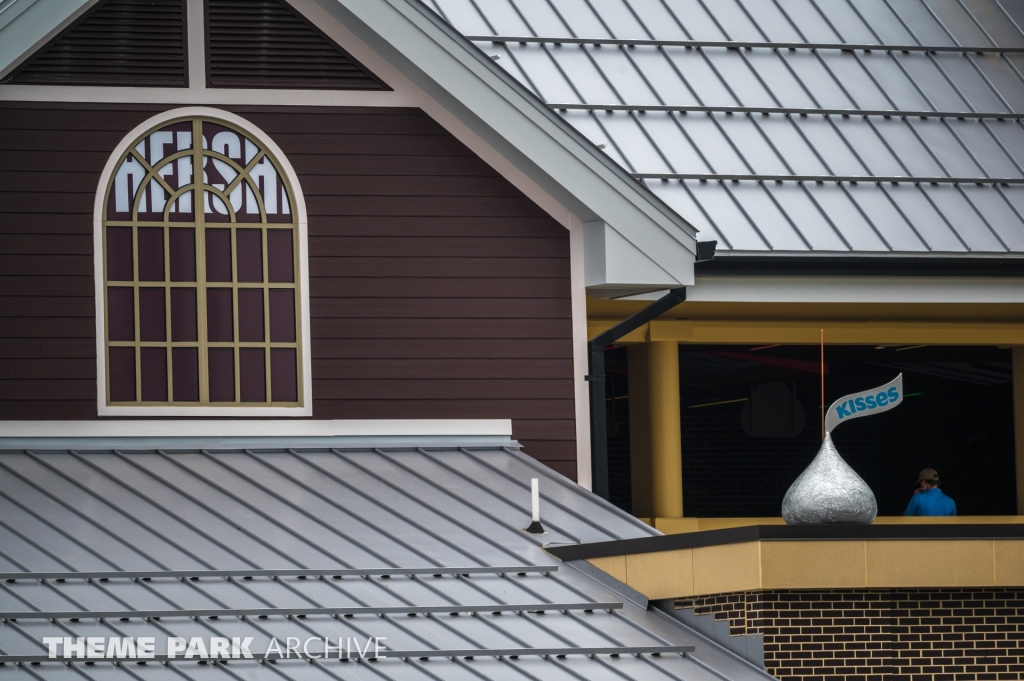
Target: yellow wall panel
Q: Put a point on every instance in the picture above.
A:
(1009, 562)
(926, 563)
(613, 565)
(666, 574)
(975, 563)
(881, 563)
(820, 564)
(730, 567)
(812, 564)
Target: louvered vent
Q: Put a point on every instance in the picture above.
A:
(264, 44)
(119, 42)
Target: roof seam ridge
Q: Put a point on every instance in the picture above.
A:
(745, 44)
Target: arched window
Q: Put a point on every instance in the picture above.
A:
(202, 296)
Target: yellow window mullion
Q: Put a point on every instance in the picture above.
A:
(136, 291)
(202, 344)
(266, 316)
(235, 357)
(198, 208)
(167, 314)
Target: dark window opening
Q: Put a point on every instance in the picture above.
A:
(751, 422)
(117, 42)
(267, 44)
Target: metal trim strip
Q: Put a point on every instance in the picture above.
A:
(800, 111)
(274, 573)
(738, 535)
(303, 612)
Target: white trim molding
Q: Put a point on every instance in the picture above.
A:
(196, 41)
(257, 428)
(254, 434)
(580, 367)
(303, 275)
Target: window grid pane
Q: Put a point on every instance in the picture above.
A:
(171, 339)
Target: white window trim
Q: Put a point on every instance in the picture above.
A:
(261, 428)
(303, 279)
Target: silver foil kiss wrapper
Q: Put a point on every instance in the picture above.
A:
(829, 492)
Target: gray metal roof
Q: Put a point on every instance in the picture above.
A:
(329, 513)
(779, 126)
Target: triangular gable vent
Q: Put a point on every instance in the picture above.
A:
(265, 44)
(118, 42)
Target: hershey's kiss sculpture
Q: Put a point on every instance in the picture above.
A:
(829, 491)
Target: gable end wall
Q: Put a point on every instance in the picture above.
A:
(437, 289)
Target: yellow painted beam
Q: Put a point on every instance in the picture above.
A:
(853, 333)
(596, 327)
(807, 332)
(818, 312)
(665, 438)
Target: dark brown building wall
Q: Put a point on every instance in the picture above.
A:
(437, 289)
(941, 634)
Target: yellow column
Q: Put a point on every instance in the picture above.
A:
(1018, 422)
(640, 430)
(665, 442)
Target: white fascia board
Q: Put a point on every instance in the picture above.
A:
(515, 124)
(853, 289)
(257, 428)
(26, 25)
(615, 267)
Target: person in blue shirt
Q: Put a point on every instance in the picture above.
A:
(928, 499)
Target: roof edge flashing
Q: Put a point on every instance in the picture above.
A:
(45, 19)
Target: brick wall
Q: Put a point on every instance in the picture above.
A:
(875, 634)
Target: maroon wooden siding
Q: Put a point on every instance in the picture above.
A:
(437, 289)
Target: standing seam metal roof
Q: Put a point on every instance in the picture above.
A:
(329, 512)
(864, 127)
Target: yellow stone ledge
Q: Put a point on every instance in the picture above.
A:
(680, 525)
(820, 564)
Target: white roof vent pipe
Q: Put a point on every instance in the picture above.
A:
(535, 527)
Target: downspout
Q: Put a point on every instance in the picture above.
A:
(598, 413)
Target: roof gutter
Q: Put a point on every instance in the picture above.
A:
(596, 377)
